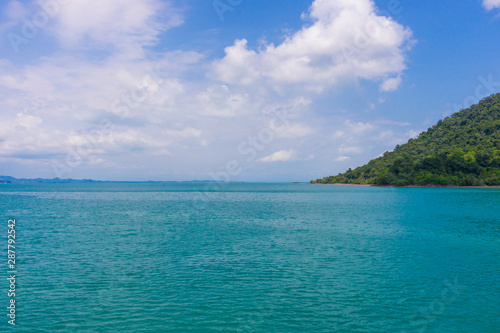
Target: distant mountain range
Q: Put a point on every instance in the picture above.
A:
(463, 149)
(9, 179)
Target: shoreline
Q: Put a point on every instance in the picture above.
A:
(343, 184)
(416, 186)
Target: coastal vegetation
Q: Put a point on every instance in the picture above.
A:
(463, 149)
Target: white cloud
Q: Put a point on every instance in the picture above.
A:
(162, 152)
(346, 41)
(491, 4)
(391, 84)
(413, 134)
(338, 134)
(342, 159)
(295, 130)
(93, 160)
(384, 135)
(28, 121)
(350, 150)
(220, 101)
(358, 127)
(185, 133)
(280, 156)
(124, 26)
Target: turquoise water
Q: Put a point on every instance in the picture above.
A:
(252, 258)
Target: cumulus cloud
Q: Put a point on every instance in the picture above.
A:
(391, 84)
(124, 25)
(52, 101)
(347, 40)
(491, 4)
(280, 156)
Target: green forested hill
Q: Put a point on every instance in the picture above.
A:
(463, 149)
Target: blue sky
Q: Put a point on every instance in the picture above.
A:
(232, 90)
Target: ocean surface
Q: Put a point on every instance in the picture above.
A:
(251, 258)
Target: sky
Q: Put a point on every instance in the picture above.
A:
(232, 90)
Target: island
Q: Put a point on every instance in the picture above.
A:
(460, 150)
(12, 180)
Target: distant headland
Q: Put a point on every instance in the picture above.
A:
(460, 150)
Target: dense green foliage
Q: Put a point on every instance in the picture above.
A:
(463, 149)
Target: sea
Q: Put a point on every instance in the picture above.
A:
(249, 257)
